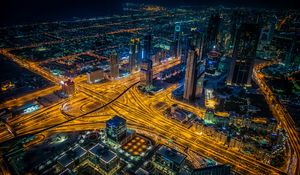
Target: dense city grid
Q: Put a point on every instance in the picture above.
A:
(155, 90)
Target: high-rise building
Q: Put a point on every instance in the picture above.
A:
(244, 54)
(147, 46)
(200, 84)
(192, 74)
(116, 129)
(212, 33)
(146, 72)
(177, 40)
(190, 80)
(114, 64)
(168, 161)
(213, 170)
(237, 18)
(134, 54)
(194, 39)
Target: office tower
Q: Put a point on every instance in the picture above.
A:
(244, 54)
(95, 76)
(190, 75)
(237, 18)
(194, 39)
(114, 64)
(213, 170)
(199, 85)
(134, 54)
(177, 41)
(168, 161)
(212, 32)
(116, 129)
(146, 72)
(147, 46)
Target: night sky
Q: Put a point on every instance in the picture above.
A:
(27, 11)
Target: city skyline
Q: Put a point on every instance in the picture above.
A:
(150, 87)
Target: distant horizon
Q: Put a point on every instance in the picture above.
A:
(34, 11)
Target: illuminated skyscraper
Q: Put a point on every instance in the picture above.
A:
(134, 54)
(244, 54)
(212, 32)
(114, 64)
(177, 41)
(194, 39)
(190, 80)
(191, 75)
(146, 72)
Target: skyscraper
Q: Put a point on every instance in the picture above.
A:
(116, 129)
(133, 54)
(177, 40)
(212, 32)
(147, 46)
(190, 75)
(194, 39)
(244, 54)
(146, 72)
(114, 64)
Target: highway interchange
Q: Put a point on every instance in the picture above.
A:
(93, 104)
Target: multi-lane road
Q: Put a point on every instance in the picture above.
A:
(88, 108)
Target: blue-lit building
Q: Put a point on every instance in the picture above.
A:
(116, 129)
(168, 161)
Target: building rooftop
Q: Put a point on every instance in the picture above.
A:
(66, 172)
(116, 120)
(141, 171)
(103, 153)
(71, 155)
(171, 154)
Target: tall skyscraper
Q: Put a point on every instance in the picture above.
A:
(147, 46)
(244, 54)
(197, 41)
(134, 54)
(237, 18)
(116, 129)
(190, 80)
(146, 72)
(177, 40)
(114, 64)
(212, 32)
(194, 39)
(200, 84)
